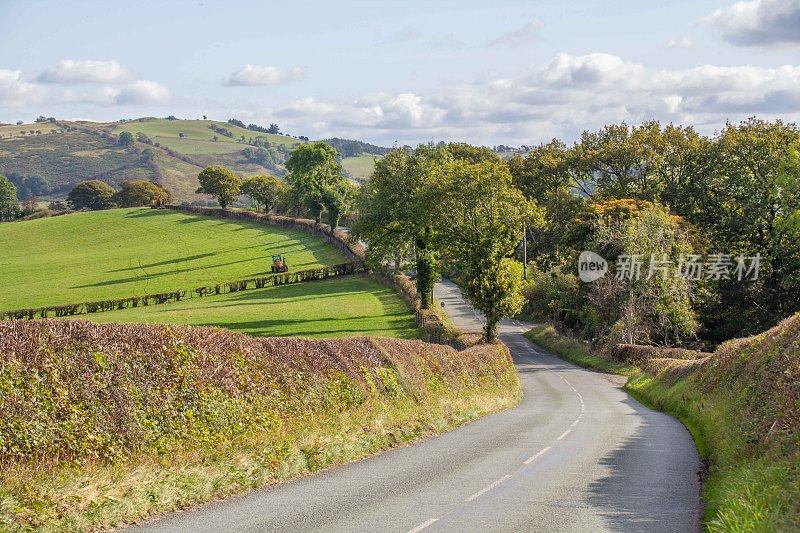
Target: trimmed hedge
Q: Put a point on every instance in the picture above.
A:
(353, 267)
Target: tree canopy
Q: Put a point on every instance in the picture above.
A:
(134, 193)
(93, 195)
(264, 190)
(221, 183)
(314, 173)
(9, 205)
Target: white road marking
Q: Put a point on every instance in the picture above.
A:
(534, 457)
(487, 489)
(567, 432)
(424, 525)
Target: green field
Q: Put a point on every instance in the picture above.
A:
(331, 308)
(199, 138)
(360, 167)
(127, 252)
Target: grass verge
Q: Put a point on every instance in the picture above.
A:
(741, 406)
(104, 425)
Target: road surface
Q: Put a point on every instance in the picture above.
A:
(578, 454)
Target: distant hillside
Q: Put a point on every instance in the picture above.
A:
(358, 157)
(360, 167)
(47, 159)
(351, 148)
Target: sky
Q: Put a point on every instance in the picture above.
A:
(405, 72)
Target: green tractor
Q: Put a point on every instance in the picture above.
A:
(279, 264)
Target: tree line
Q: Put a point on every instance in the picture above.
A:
(315, 185)
(663, 196)
(665, 192)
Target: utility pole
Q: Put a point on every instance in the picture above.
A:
(524, 250)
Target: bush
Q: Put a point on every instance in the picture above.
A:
(136, 193)
(92, 195)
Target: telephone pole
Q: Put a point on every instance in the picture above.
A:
(525, 250)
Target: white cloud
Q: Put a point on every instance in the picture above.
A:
(758, 22)
(102, 83)
(565, 96)
(141, 92)
(253, 75)
(522, 36)
(14, 90)
(680, 42)
(87, 71)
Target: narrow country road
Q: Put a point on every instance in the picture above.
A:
(578, 454)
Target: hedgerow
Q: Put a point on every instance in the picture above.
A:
(76, 391)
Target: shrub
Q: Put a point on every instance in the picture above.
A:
(136, 193)
(92, 195)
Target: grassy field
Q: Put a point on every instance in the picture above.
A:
(128, 252)
(360, 167)
(199, 137)
(339, 307)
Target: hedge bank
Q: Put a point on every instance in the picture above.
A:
(102, 425)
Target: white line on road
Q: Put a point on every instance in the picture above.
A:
(534, 457)
(487, 489)
(567, 432)
(424, 525)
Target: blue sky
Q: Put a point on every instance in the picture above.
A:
(482, 72)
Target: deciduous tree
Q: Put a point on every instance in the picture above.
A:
(91, 194)
(8, 199)
(264, 190)
(221, 183)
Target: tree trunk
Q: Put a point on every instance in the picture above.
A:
(490, 330)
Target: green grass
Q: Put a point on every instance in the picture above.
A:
(198, 138)
(360, 167)
(338, 307)
(127, 252)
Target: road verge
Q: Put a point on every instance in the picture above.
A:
(742, 406)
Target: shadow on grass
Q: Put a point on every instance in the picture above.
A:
(167, 262)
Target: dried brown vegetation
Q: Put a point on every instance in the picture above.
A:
(91, 405)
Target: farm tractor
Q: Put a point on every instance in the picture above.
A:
(279, 264)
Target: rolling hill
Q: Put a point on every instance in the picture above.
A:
(46, 159)
(103, 255)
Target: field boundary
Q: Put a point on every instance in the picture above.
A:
(343, 269)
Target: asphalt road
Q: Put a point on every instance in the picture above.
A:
(578, 454)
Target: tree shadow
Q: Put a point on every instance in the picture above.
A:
(167, 262)
(653, 484)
